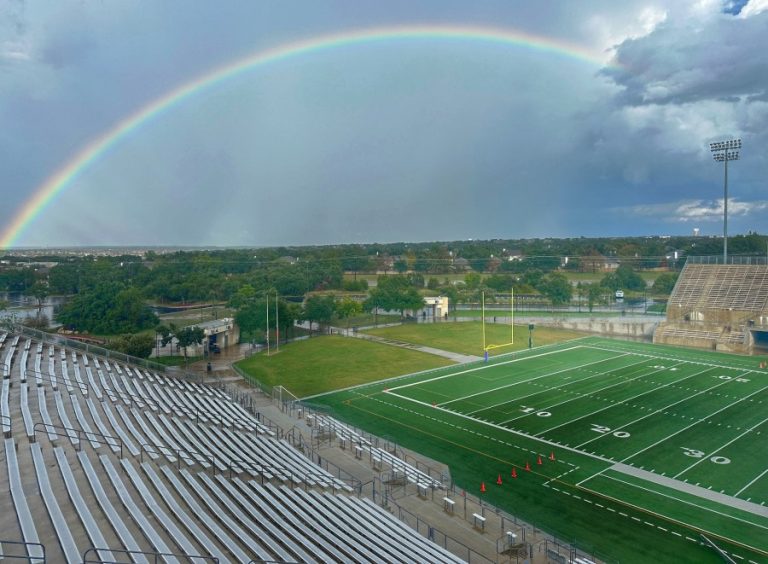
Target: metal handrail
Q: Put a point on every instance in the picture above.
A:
(81, 434)
(25, 545)
(156, 556)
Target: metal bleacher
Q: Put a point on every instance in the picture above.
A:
(712, 303)
(735, 287)
(120, 462)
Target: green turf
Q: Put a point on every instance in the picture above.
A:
(467, 337)
(695, 416)
(324, 363)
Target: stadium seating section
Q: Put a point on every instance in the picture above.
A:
(110, 462)
(714, 306)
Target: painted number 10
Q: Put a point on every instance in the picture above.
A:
(525, 409)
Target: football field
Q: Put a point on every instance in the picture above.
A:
(669, 440)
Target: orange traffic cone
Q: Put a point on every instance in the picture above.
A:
(527, 466)
(498, 480)
(482, 487)
(538, 460)
(552, 456)
(514, 472)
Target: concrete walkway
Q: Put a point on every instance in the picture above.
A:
(455, 357)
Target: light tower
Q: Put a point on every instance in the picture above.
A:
(724, 151)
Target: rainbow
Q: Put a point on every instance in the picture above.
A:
(63, 177)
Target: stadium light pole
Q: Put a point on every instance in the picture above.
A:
(724, 151)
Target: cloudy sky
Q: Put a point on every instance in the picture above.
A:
(403, 139)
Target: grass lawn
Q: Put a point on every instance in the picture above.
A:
(366, 319)
(467, 337)
(328, 363)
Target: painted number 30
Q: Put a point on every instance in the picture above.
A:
(693, 453)
(605, 430)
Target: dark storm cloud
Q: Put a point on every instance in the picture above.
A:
(720, 58)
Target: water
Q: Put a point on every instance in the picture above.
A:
(26, 306)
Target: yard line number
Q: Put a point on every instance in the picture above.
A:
(693, 453)
(602, 429)
(525, 409)
(726, 377)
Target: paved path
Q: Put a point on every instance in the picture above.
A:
(698, 491)
(455, 357)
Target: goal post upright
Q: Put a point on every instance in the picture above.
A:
(486, 346)
(482, 316)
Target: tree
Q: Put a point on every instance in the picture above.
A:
(394, 293)
(347, 307)
(400, 266)
(109, 308)
(625, 277)
(189, 336)
(473, 280)
(320, 309)
(665, 283)
(40, 291)
(139, 345)
(594, 292)
(557, 288)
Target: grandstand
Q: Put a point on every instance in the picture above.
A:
(109, 462)
(719, 306)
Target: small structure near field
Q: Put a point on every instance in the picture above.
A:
(219, 334)
(435, 307)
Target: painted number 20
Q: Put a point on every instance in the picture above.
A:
(605, 430)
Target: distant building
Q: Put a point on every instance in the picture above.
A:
(219, 334)
(461, 264)
(435, 307)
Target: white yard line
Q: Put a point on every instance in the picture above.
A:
(722, 383)
(554, 387)
(505, 429)
(484, 367)
(686, 502)
(714, 452)
(678, 359)
(752, 482)
(591, 413)
(695, 423)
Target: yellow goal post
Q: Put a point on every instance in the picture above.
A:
(489, 346)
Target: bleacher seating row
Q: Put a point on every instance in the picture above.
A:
(379, 456)
(150, 464)
(726, 287)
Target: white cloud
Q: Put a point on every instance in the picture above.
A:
(695, 210)
(753, 8)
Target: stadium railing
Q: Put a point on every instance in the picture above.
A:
(91, 556)
(81, 435)
(743, 260)
(21, 546)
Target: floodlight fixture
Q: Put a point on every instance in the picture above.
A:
(724, 151)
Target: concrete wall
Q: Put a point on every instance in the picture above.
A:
(640, 328)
